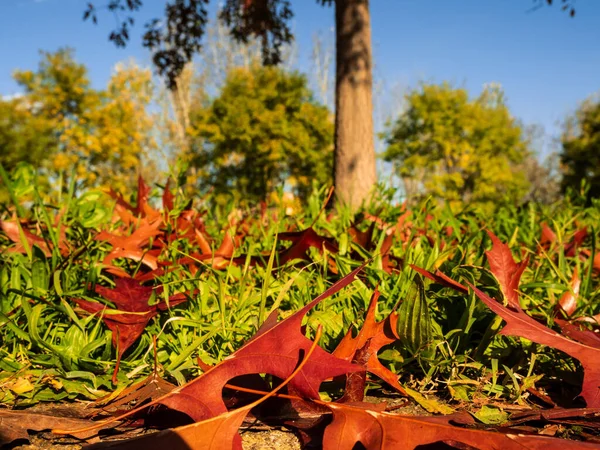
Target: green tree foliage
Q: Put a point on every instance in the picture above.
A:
(580, 156)
(262, 131)
(174, 39)
(61, 123)
(24, 137)
(459, 149)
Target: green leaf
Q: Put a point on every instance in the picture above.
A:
(491, 415)
(414, 323)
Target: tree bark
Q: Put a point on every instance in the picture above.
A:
(354, 169)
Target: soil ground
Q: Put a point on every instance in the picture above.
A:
(262, 437)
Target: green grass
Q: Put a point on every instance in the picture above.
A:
(51, 350)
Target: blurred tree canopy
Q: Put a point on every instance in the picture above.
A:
(580, 157)
(262, 131)
(459, 149)
(258, 131)
(61, 123)
(176, 37)
(24, 137)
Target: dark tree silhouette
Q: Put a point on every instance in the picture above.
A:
(566, 5)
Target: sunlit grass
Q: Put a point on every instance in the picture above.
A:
(52, 350)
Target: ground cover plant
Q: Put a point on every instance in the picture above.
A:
(198, 319)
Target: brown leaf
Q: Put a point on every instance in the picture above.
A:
(576, 241)
(215, 433)
(150, 388)
(133, 246)
(553, 414)
(16, 424)
(221, 258)
(129, 213)
(276, 350)
(202, 242)
(363, 238)
(168, 199)
(518, 323)
(548, 236)
(11, 229)
(441, 278)
(576, 332)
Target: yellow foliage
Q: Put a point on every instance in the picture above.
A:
(105, 135)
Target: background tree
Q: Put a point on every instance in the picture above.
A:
(176, 38)
(543, 178)
(24, 136)
(543, 174)
(459, 149)
(112, 141)
(65, 124)
(580, 157)
(196, 86)
(264, 130)
(25, 140)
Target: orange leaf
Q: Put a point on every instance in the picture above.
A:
(371, 338)
(505, 269)
(568, 301)
(380, 430)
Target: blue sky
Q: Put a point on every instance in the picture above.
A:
(546, 61)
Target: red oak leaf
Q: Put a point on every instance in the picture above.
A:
(571, 247)
(355, 426)
(221, 258)
(131, 314)
(518, 323)
(301, 242)
(568, 301)
(548, 236)
(215, 433)
(275, 349)
(371, 338)
(363, 238)
(574, 331)
(128, 213)
(168, 199)
(505, 269)
(441, 278)
(11, 229)
(133, 246)
(576, 241)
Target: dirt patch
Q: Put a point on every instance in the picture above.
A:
(48, 441)
(251, 440)
(254, 436)
(271, 439)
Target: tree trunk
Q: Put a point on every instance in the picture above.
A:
(354, 169)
